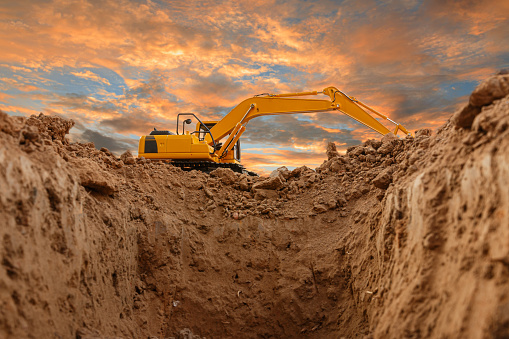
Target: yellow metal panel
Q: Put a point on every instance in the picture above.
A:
(201, 147)
(141, 145)
(178, 143)
(161, 142)
(178, 147)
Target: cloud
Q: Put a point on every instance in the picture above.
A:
(136, 122)
(87, 103)
(116, 144)
(290, 132)
(91, 76)
(478, 17)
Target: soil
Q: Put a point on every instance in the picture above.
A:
(397, 238)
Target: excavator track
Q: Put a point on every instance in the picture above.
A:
(208, 166)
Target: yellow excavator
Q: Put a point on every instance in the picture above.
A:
(202, 149)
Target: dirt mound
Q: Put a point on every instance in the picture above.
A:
(396, 238)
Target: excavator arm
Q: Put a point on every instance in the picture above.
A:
(289, 103)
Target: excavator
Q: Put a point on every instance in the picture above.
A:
(203, 150)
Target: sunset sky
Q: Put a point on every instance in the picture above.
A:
(120, 68)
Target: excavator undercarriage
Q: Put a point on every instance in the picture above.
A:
(209, 166)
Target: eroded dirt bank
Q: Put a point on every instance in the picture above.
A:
(397, 238)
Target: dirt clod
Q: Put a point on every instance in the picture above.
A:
(127, 158)
(383, 179)
(490, 90)
(226, 175)
(273, 183)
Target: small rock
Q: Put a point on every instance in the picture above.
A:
(380, 194)
(285, 173)
(490, 90)
(262, 194)
(332, 152)
(182, 195)
(244, 184)
(94, 178)
(225, 175)
(384, 179)
(273, 183)
(187, 334)
(107, 151)
(335, 166)
(331, 203)
(299, 171)
(282, 172)
(368, 150)
(208, 193)
(465, 117)
(423, 132)
(341, 201)
(370, 158)
(319, 208)
(356, 151)
(86, 333)
(29, 133)
(432, 241)
(388, 143)
(128, 158)
(373, 143)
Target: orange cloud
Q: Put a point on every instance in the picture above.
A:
(91, 76)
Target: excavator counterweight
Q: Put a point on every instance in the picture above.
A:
(202, 148)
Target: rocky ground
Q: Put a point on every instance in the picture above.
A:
(396, 238)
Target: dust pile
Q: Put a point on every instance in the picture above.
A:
(396, 238)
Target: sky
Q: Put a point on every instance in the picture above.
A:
(120, 68)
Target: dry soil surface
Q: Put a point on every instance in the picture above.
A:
(398, 238)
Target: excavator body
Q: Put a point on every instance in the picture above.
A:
(189, 150)
(205, 149)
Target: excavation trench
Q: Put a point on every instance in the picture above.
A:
(399, 237)
(252, 278)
